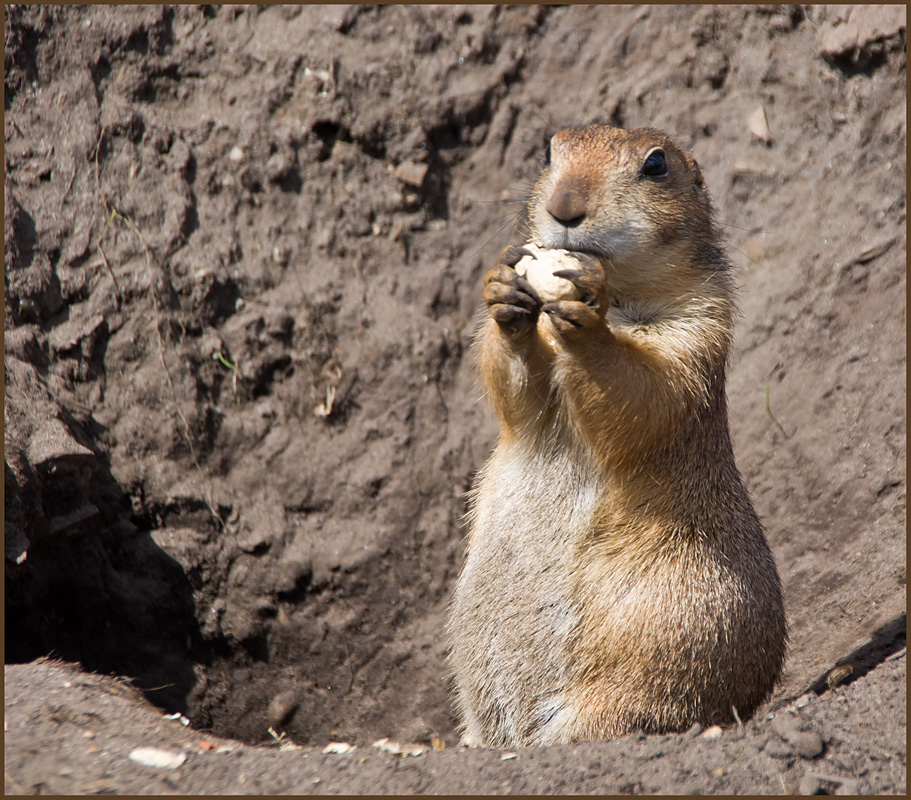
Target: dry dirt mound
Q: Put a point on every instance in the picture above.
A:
(79, 734)
(243, 253)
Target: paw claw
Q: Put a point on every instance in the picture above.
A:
(572, 317)
(511, 299)
(513, 254)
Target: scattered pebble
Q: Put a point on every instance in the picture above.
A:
(411, 173)
(236, 154)
(758, 124)
(712, 733)
(154, 757)
(508, 756)
(400, 749)
(338, 747)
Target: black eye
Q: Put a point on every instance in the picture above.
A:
(655, 166)
(546, 159)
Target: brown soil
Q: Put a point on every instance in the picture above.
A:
(243, 254)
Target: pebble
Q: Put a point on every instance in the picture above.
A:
(758, 124)
(712, 733)
(339, 748)
(411, 173)
(400, 749)
(154, 757)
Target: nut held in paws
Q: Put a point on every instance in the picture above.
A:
(539, 268)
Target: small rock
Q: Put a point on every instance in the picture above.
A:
(338, 747)
(411, 173)
(400, 749)
(236, 154)
(154, 757)
(712, 733)
(758, 124)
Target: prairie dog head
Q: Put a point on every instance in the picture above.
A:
(629, 197)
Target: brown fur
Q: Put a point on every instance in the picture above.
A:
(616, 577)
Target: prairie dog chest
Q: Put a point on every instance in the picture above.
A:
(533, 503)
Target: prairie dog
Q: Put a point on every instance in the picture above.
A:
(616, 577)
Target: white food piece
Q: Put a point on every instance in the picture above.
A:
(538, 269)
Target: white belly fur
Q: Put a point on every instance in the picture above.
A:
(512, 611)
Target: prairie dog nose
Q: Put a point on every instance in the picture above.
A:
(569, 202)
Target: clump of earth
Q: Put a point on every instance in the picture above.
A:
(243, 253)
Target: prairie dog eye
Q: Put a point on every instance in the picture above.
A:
(655, 165)
(546, 158)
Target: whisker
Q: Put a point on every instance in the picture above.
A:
(499, 230)
(724, 224)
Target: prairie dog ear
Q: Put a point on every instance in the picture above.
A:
(697, 173)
